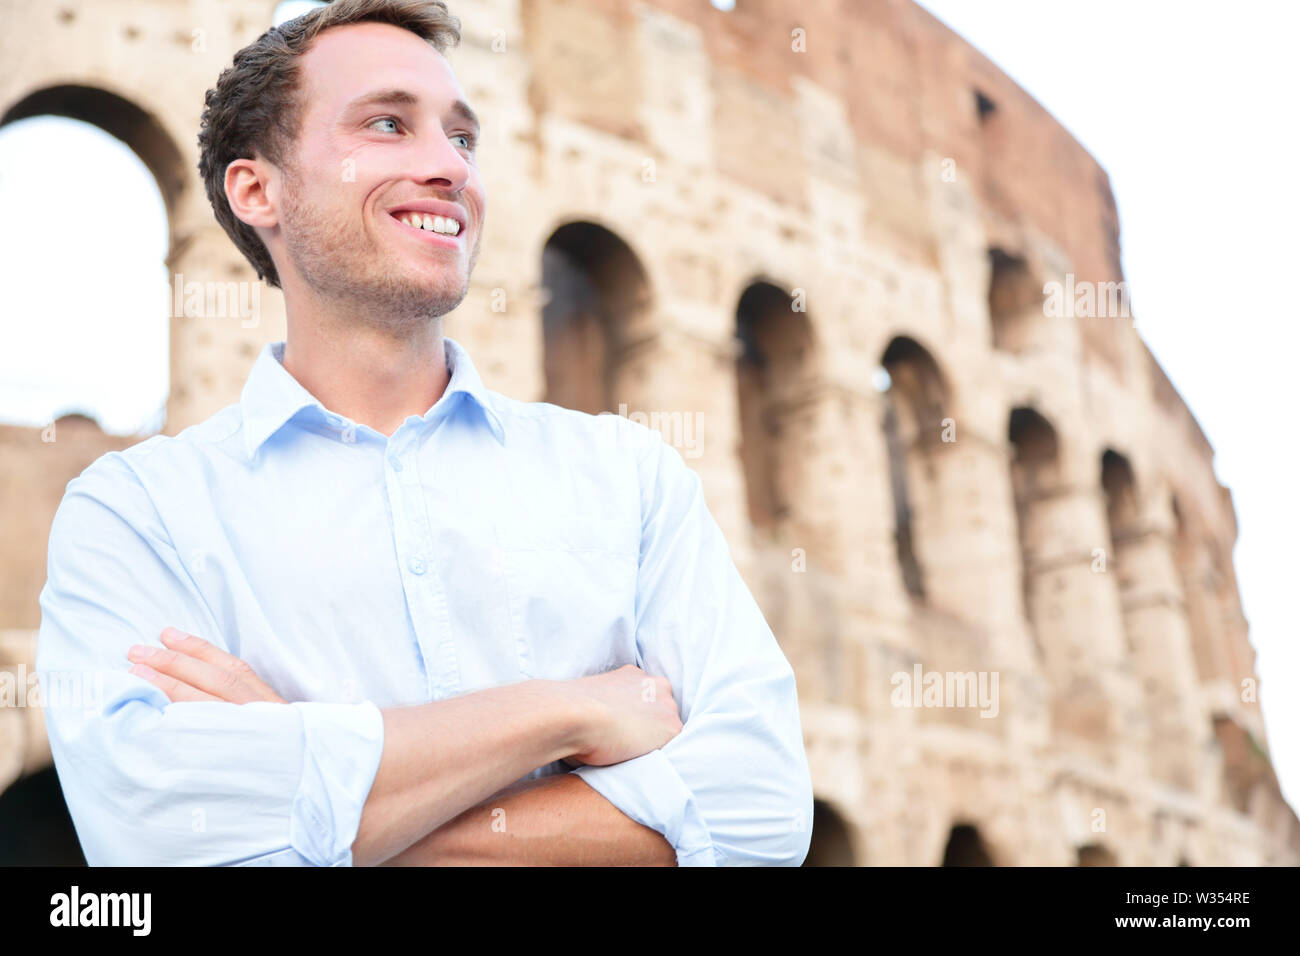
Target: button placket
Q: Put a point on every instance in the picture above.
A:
(425, 594)
(403, 520)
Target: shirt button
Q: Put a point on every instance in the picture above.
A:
(416, 566)
(396, 463)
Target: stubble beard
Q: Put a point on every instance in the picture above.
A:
(341, 261)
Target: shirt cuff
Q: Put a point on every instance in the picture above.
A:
(342, 744)
(650, 791)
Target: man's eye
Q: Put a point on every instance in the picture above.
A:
(385, 119)
(469, 140)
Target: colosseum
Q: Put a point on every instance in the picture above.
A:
(818, 246)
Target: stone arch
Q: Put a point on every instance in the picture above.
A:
(144, 134)
(917, 402)
(1120, 486)
(1036, 475)
(774, 379)
(832, 837)
(35, 826)
(1095, 854)
(119, 117)
(1119, 490)
(1035, 478)
(596, 317)
(966, 846)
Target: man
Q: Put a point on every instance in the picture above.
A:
(374, 612)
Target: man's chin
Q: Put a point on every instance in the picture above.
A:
(419, 296)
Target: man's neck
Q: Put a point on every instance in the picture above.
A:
(373, 376)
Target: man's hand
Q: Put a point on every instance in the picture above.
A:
(189, 668)
(636, 714)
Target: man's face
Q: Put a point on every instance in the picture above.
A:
(385, 136)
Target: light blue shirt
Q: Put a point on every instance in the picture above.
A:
(486, 542)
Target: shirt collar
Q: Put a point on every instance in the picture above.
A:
(271, 396)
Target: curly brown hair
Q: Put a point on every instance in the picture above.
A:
(255, 106)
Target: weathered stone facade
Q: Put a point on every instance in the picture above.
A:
(736, 220)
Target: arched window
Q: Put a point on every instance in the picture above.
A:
(915, 411)
(774, 344)
(1120, 488)
(1121, 495)
(1015, 302)
(966, 847)
(1035, 475)
(595, 318)
(1094, 854)
(831, 844)
(35, 827)
(87, 183)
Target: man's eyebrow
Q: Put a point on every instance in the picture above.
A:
(461, 109)
(396, 97)
(384, 97)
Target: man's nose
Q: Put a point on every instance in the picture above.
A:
(440, 163)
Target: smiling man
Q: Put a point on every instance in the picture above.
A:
(376, 612)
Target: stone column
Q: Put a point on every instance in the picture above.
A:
(1073, 605)
(965, 534)
(1156, 622)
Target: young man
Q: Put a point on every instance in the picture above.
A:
(374, 612)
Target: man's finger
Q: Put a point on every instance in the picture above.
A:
(195, 646)
(220, 684)
(174, 689)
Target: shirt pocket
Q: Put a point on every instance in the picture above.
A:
(571, 594)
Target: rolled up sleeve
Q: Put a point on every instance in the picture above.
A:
(733, 788)
(151, 782)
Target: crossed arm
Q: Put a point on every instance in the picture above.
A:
(440, 795)
(549, 821)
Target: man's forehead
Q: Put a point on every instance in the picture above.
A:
(349, 62)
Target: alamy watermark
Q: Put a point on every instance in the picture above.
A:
(682, 430)
(129, 910)
(217, 300)
(946, 689)
(1082, 299)
(63, 689)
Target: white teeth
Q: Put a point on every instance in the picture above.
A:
(439, 224)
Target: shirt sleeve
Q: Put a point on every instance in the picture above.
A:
(151, 782)
(733, 788)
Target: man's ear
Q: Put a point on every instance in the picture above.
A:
(249, 190)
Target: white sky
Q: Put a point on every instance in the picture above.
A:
(86, 329)
(1189, 107)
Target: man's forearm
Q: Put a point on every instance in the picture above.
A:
(432, 768)
(551, 821)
